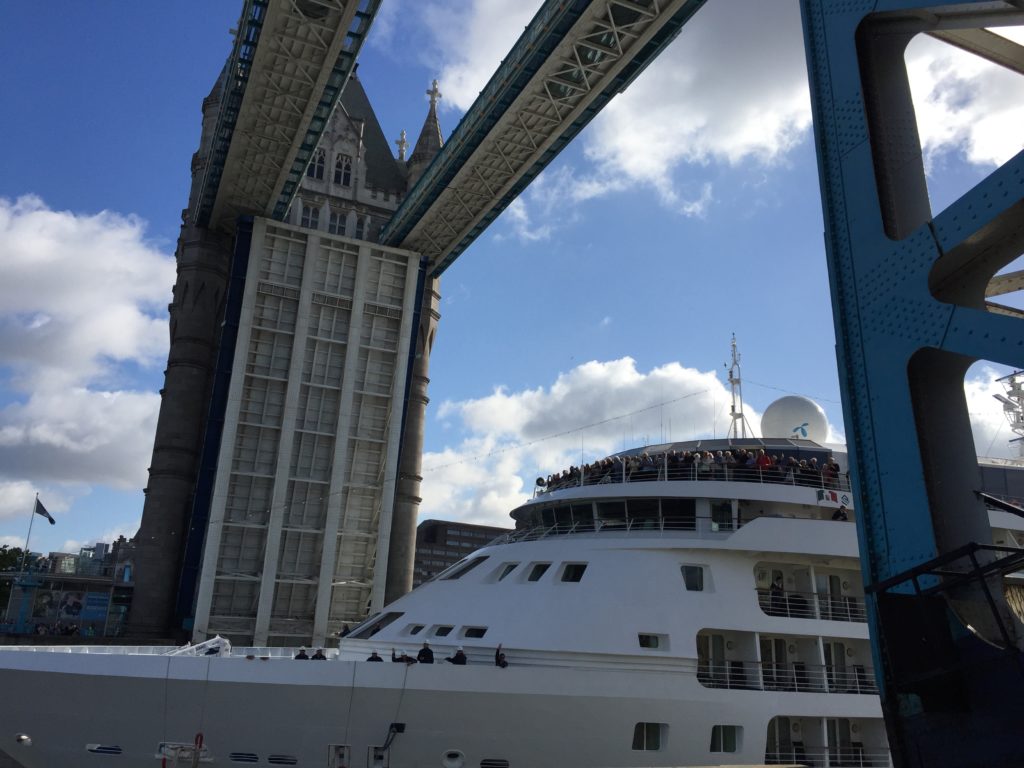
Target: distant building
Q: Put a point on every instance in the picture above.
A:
(441, 543)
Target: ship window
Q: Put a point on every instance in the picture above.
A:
(416, 629)
(725, 738)
(464, 569)
(647, 736)
(537, 571)
(103, 749)
(476, 632)
(693, 578)
(506, 569)
(492, 762)
(443, 631)
(611, 513)
(373, 625)
(243, 757)
(679, 514)
(282, 760)
(651, 641)
(573, 571)
(721, 515)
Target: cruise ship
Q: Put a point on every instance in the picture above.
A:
(667, 606)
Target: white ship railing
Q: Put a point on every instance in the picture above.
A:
(854, 756)
(663, 470)
(812, 605)
(703, 525)
(794, 676)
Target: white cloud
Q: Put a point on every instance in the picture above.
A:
(598, 408)
(732, 89)
(964, 102)
(510, 438)
(992, 433)
(82, 306)
(469, 40)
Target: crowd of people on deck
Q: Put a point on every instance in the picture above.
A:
(753, 465)
(424, 656)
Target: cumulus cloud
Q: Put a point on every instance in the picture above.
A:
(82, 307)
(510, 438)
(965, 103)
(731, 90)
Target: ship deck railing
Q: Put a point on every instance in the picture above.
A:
(856, 755)
(794, 676)
(696, 473)
(714, 525)
(812, 605)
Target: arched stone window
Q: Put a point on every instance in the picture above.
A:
(343, 171)
(310, 216)
(315, 170)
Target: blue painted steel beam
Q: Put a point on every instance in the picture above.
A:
(908, 292)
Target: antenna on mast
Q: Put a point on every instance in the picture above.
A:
(738, 428)
(1013, 408)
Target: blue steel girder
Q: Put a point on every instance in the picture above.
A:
(909, 300)
(573, 57)
(288, 67)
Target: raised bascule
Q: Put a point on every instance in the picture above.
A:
(910, 286)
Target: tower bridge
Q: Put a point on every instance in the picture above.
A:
(910, 289)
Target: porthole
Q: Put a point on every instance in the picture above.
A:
(453, 759)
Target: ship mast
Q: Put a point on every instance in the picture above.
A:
(738, 428)
(1013, 408)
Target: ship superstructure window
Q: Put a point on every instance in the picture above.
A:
(538, 570)
(725, 738)
(474, 632)
(282, 760)
(343, 171)
(693, 577)
(374, 624)
(652, 641)
(415, 629)
(506, 569)
(721, 515)
(103, 749)
(315, 169)
(443, 631)
(462, 570)
(573, 571)
(243, 757)
(647, 736)
(310, 217)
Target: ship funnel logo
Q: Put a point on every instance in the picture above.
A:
(800, 431)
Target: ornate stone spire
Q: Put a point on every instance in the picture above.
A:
(429, 142)
(402, 144)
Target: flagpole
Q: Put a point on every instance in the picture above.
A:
(32, 519)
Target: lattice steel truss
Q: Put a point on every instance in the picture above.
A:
(570, 61)
(909, 291)
(289, 64)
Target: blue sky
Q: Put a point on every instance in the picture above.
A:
(594, 315)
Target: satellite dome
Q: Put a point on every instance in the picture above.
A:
(795, 416)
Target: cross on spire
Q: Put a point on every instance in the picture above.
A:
(434, 94)
(403, 145)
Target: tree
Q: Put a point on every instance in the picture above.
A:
(10, 564)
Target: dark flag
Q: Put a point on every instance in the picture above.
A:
(41, 510)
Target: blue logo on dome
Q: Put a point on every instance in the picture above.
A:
(801, 430)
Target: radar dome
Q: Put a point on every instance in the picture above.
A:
(795, 416)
